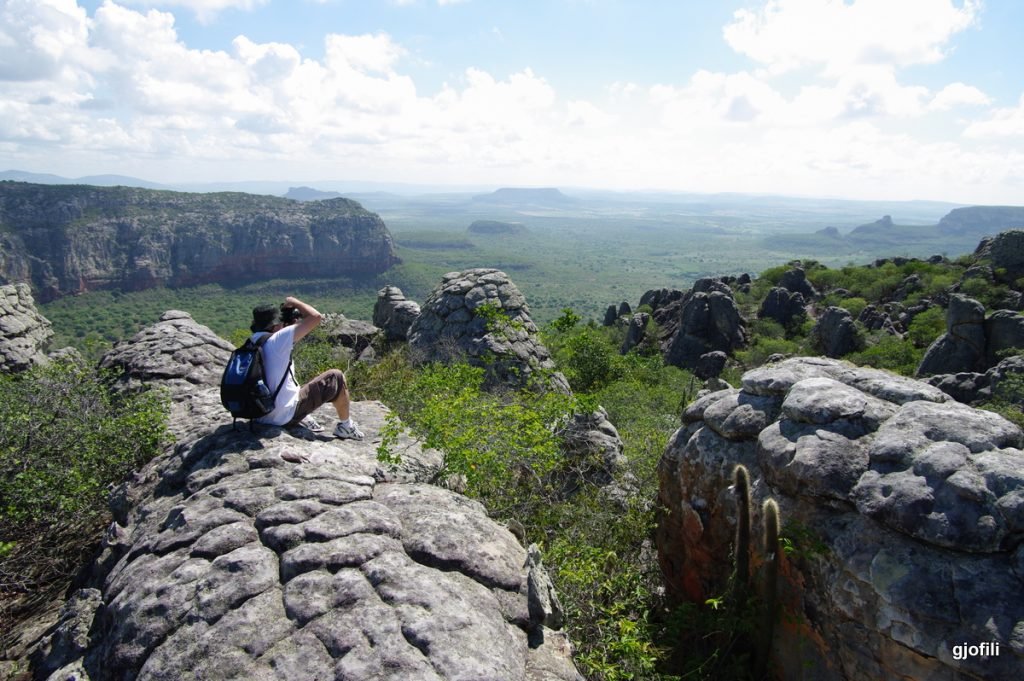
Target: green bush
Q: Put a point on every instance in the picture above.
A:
(65, 440)
(927, 326)
(890, 352)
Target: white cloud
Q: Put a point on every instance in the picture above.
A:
(37, 35)
(1003, 123)
(834, 34)
(123, 89)
(956, 95)
(205, 10)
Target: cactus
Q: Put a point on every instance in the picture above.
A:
(773, 556)
(741, 578)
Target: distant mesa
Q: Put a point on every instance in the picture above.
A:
(497, 227)
(310, 194)
(68, 239)
(545, 196)
(981, 220)
(830, 232)
(883, 226)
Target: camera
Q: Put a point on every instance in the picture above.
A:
(290, 314)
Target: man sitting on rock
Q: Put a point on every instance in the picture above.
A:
(295, 403)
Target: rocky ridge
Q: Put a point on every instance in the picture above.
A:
(905, 510)
(285, 554)
(73, 238)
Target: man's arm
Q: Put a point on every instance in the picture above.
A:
(310, 317)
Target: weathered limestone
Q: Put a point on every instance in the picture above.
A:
(481, 316)
(393, 314)
(24, 333)
(904, 509)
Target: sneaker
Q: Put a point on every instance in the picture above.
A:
(311, 424)
(348, 432)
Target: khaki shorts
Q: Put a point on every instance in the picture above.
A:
(323, 389)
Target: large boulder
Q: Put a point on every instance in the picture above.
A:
(962, 347)
(1004, 333)
(635, 332)
(707, 321)
(1005, 251)
(795, 280)
(904, 513)
(783, 306)
(479, 315)
(275, 554)
(394, 314)
(24, 333)
(834, 334)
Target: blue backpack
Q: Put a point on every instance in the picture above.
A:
(243, 388)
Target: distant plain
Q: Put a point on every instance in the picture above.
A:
(580, 249)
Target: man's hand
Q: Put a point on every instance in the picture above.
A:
(310, 317)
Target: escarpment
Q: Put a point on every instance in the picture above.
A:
(904, 513)
(280, 554)
(72, 239)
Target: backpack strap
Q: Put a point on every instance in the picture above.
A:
(289, 370)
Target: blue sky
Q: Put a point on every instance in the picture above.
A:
(915, 99)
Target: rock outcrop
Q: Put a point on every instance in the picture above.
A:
(394, 314)
(973, 387)
(479, 315)
(783, 306)
(834, 334)
(972, 343)
(703, 320)
(276, 554)
(1005, 252)
(903, 510)
(74, 238)
(635, 332)
(353, 334)
(24, 333)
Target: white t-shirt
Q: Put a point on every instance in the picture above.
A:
(277, 353)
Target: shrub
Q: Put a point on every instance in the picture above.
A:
(890, 352)
(65, 440)
(927, 326)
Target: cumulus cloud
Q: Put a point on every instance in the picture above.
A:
(956, 95)
(123, 85)
(1003, 123)
(205, 10)
(836, 35)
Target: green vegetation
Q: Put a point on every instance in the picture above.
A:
(65, 440)
(504, 448)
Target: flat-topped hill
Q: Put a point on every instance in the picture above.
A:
(67, 239)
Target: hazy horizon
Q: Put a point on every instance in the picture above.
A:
(855, 100)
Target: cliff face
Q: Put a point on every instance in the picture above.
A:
(76, 238)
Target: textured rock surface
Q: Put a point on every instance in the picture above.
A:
(905, 511)
(394, 314)
(834, 334)
(449, 326)
(277, 554)
(1006, 251)
(635, 332)
(133, 239)
(354, 334)
(24, 333)
(782, 305)
(704, 320)
(962, 347)
(972, 387)
(795, 281)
